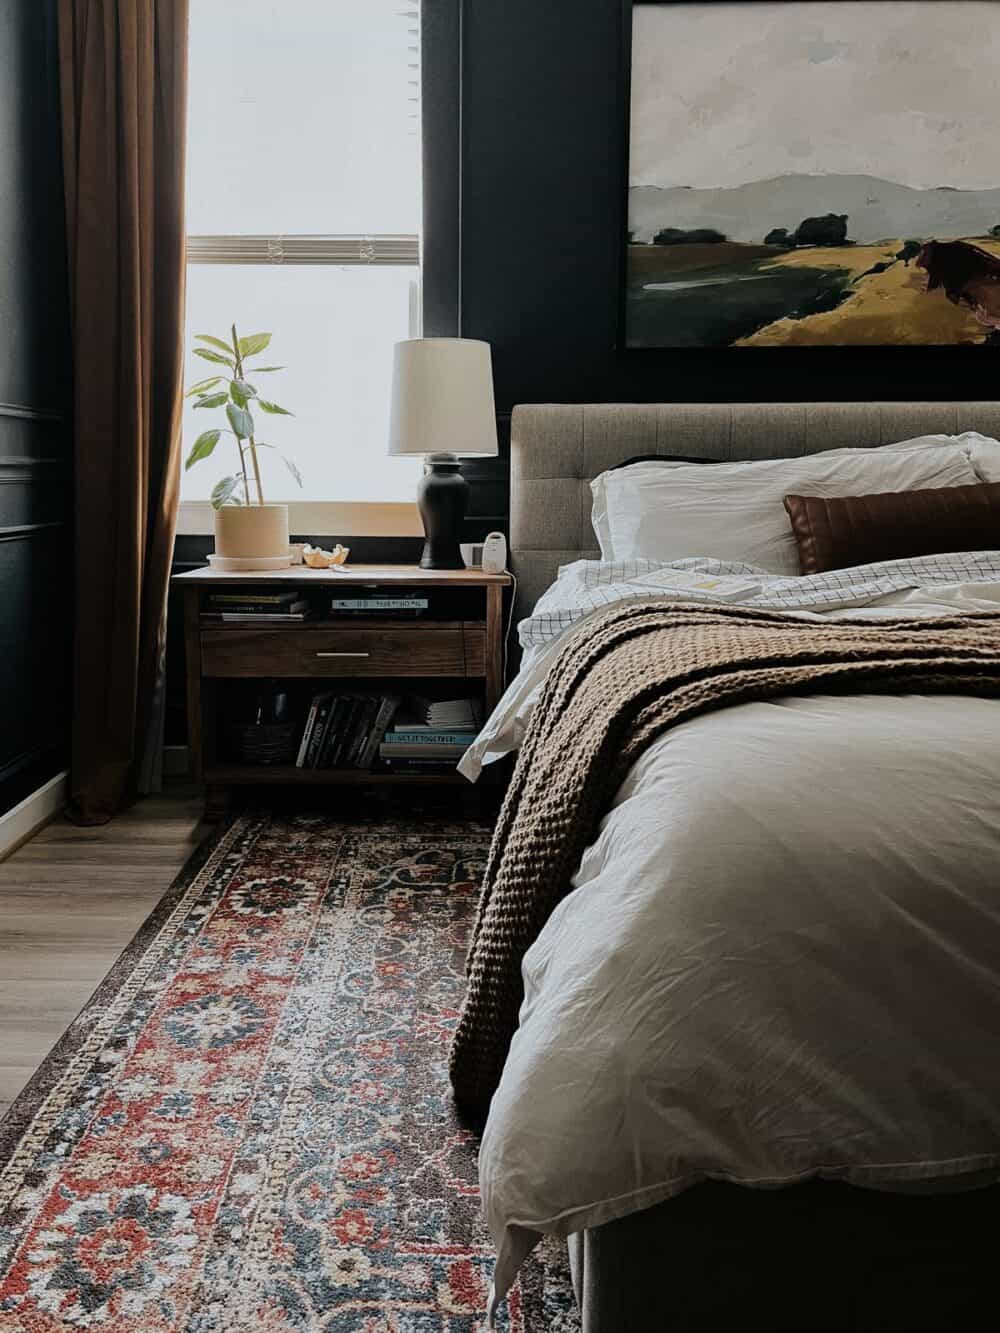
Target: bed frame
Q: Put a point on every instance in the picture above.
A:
(815, 1256)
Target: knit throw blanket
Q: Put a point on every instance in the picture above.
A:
(625, 677)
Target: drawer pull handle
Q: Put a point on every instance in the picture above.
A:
(343, 654)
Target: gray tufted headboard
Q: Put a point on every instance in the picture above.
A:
(557, 449)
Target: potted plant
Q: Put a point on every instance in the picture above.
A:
(246, 526)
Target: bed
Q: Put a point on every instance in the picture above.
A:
(912, 1249)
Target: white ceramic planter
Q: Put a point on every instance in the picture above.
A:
(252, 532)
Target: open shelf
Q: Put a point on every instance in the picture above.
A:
(289, 775)
(349, 623)
(456, 649)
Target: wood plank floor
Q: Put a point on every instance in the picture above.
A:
(70, 900)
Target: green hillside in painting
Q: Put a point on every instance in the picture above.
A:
(855, 289)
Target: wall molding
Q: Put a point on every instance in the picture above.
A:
(19, 762)
(24, 413)
(23, 531)
(25, 819)
(32, 469)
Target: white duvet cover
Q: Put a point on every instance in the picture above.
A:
(782, 955)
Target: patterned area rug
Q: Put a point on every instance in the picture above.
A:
(249, 1127)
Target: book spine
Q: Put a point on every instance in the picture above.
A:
(251, 599)
(421, 737)
(416, 765)
(253, 608)
(330, 735)
(366, 716)
(379, 604)
(344, 731)
(316, 739)
(300, 761)
(383, 717)
(257, 618)
(442, 752)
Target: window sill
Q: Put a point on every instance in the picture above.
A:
(314, 518)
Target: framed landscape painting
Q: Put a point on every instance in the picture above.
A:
(813, 173)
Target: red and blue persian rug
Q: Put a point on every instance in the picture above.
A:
(249, 1127)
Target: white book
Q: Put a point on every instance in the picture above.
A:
(300, 760)
(379, 604)
(712, 587)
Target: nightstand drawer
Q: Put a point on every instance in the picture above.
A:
(341, 652)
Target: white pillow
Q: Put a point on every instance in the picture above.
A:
(984, 454)
(735, 511)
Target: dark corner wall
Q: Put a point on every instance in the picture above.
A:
(36, 559)
(542, 200)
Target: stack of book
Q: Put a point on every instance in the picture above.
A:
(236, 606)
(370, 607)
(344, 730)
(431, 735)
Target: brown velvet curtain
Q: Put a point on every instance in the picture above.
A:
(123, 68)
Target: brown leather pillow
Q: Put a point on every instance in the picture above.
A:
(849, 530)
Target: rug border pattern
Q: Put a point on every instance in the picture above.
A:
(19, 1119)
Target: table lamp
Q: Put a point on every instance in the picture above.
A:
(442, 406)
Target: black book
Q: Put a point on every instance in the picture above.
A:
(345, 731)
(328, 739)
(229, 601)
(323, 707)
(422, 766)
(387, 706)
(258, 611)
(365, 720)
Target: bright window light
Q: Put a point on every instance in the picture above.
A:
(303, 213)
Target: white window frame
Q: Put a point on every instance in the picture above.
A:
(360, 518)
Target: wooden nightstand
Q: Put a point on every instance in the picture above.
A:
(460, 639)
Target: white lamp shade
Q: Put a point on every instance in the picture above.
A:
(442, 398)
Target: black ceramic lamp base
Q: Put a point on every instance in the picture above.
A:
(442, 498)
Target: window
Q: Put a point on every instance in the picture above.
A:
(303, 214)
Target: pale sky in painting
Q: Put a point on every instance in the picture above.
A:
(907, 90)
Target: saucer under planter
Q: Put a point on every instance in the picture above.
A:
(252, 532)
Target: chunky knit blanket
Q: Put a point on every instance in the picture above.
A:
(625, 677)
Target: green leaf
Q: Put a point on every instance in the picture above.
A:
(266, 370)
(241, 392)
(292, 469)
(202, 447)
(222, 491)
(216, 342)
(240, 420)
(202, 385)
(214, 356)
(254, 343)
(212, 400)
(274, 409)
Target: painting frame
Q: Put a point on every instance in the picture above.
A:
(943, 354)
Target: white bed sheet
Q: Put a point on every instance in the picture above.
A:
(929, 586)
(781, 959)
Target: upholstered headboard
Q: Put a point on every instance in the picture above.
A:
(557, 450)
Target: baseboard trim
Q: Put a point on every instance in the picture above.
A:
(28, 816)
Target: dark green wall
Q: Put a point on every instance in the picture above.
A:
(36, 568)
(542, 199)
